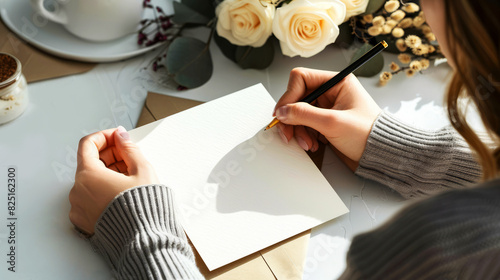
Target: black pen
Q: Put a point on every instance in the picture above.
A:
(339, 77)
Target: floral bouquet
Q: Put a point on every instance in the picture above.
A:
(245, 31)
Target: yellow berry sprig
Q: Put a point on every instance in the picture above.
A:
(416, 63)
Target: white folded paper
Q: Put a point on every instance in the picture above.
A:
(239, 188)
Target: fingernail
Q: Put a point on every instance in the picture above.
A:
(283, 137)
(281, 113)
(302, 143)
(123, 133)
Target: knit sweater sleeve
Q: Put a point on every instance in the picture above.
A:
(416, 162)
(140, 237)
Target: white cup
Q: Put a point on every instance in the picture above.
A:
(95, 20)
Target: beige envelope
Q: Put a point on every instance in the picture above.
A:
(38, 65)
(284, 260)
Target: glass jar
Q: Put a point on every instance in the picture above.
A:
(13, 88)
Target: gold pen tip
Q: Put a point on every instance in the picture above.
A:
(384, 44)
(273, 123)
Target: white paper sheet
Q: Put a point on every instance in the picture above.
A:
(239, 189)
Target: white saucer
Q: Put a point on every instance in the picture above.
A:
(51, 37)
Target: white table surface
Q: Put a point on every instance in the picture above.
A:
(42, 145)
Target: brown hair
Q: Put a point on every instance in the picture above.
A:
(473, 28)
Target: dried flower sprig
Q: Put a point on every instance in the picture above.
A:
(417, 61)
(411, 36)
(157, 30)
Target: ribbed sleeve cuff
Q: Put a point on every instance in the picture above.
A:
(140, 237)
(416, 162)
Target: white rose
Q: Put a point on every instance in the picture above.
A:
(245, 22)
(306, 27)
(355, 7)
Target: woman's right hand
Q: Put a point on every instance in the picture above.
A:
(344, 114)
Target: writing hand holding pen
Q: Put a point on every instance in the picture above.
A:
(343, 115)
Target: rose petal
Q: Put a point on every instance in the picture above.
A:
(245, 22)
(355, 7)
(305, 27)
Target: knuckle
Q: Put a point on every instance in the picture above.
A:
(83, 140)
(80, 152)
(299, 73)
(71, 196)
(73, 217)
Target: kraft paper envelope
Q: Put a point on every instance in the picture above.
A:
(38, 65)
(284, 260)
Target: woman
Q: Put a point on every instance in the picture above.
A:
(453, 235)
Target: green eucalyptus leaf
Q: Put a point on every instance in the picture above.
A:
(203, 7)
(370, 68)
(228, 49)
(374, 6)
(184, 14)
(255, 58)
(189, 62)
(345, 38)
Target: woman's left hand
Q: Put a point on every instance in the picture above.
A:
(108, 164)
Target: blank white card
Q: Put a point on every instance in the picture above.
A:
(240, 189)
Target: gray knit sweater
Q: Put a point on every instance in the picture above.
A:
(454, 235)
(414, 162)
